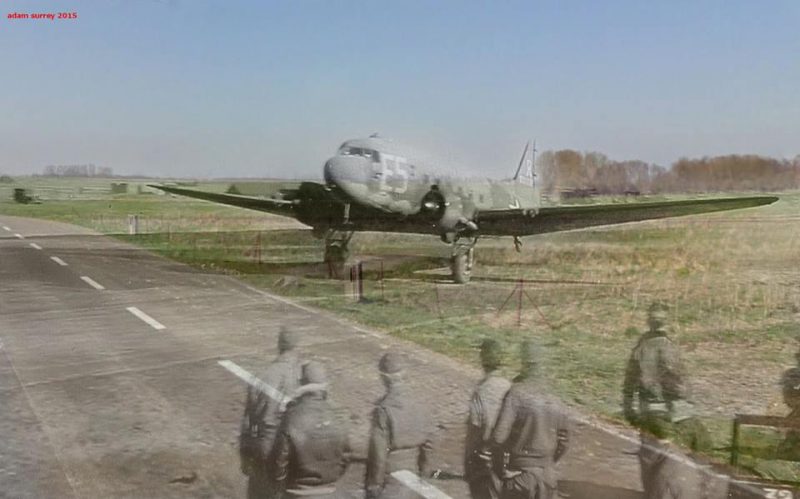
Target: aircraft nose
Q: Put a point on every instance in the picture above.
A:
(345, 171)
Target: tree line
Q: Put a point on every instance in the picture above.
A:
(87, 170)
(573, 173)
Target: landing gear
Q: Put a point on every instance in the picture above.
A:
(337, 252)
(462, 259)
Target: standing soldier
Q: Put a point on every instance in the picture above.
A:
(533, 428)
(665, 473)
(399, 436)
(789, 448)
(262, 416)
(656, 377)
(790, 383)
(655, 374)
(484, 408)
(312, 450)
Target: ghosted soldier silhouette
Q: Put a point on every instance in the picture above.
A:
(399, 437)
(533, 429)
(264, 409)
(312, 450)
(665, 474)
(669, 474)
(484, 407)
(655, 375)
(656, 380)
(789, 448)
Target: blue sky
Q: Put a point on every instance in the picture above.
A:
(213, 88)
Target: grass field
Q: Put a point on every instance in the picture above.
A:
(89, 202)
(731, 280)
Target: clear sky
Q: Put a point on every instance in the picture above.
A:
(225, 88)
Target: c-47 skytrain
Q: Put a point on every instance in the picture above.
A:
(374, 184)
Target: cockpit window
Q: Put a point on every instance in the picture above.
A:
(360, 151)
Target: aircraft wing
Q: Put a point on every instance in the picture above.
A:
(561, 218)
(275, 206)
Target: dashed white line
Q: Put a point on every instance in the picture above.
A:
(251, 380)
(59, 261)
(91, 282)
(36, 246)
(146, 318)
(421, 487)
(18, 235)
(6, 227)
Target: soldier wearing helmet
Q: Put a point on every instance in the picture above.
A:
(655, 378)
(264, 409)
(790, 384)
(789, 448)
(312, 450)
(399, 435)
(484, 408)
(533, 430)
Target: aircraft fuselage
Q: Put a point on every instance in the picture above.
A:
(382, 183)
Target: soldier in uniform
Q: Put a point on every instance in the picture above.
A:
(664, 474)
(789, 448)
(262, 416)
(655, 374)
(399, 436)
(484, 408)
(669, 474)
(656, 380)
(533, 429)
(312, 450)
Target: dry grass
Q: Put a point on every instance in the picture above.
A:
(731, 280)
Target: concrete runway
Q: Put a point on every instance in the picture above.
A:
(111, 382)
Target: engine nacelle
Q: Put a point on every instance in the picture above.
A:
(448, 217)
(433, 205)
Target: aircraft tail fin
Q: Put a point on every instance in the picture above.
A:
(526, 178)
(526, 173)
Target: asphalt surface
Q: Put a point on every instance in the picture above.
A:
(116, 379)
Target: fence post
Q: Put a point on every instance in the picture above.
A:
(356, 282)
(383, 294)
(133, 224)
(735, 442)
(360, 272)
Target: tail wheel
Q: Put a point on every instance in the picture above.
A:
(461, 265)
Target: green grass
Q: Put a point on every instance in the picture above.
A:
(157, 214)
(730, 280)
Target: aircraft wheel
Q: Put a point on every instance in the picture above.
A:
(461, 265)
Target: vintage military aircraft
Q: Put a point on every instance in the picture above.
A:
(375, 184)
